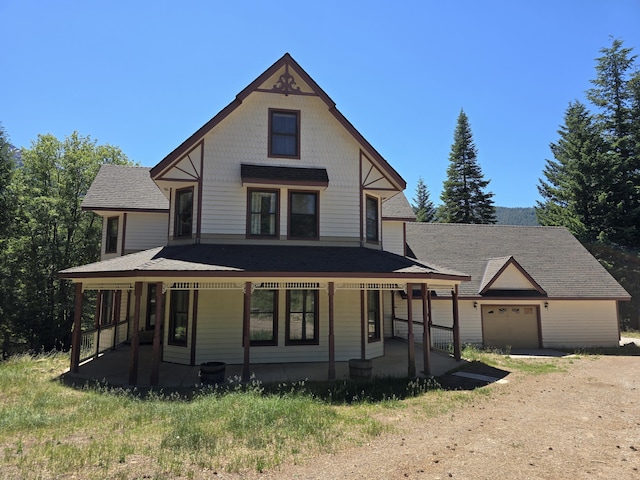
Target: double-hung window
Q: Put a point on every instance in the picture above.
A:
(284, 133)
(263, 213)
(178, 317)
(183, 225)
(106, 308)
(302, 317)
(303, 215)
(112, 235)
(372, 219)
(373, 315)
(263, 318)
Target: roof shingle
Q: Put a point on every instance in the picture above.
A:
(124, 188)
(550, 255)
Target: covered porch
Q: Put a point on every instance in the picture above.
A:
(217, 317)
(112, 368)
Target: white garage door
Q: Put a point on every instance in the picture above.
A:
(514, 326)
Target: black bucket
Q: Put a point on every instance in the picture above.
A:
(212, 373)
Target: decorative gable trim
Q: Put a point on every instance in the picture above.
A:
(497, 266)
(286, 85)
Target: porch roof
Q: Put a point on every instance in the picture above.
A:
(223, 260)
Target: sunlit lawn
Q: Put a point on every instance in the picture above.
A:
(48, 429)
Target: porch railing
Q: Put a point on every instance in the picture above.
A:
(98, 340)
(442, 338)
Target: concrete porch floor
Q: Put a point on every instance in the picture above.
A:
(112, 367)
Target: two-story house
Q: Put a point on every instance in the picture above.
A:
(259, 239)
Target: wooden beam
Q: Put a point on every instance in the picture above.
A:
(246, 374)
(363, 331)
(411, 352)
(426, 334)
(135, 339)
(332, 345)
(155, 358)
(456, 324)
(194, 327)
(77, 326)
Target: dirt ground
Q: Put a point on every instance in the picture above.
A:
(581, 423)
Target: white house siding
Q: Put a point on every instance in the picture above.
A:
(393, 237)
(581, 323)
(511, 279)
(145, 230)
(219, 330)
(224, 197)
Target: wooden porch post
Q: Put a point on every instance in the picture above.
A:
(332, 345)
(135, 339)
(155, 359)
(97, 321)
(194, 327)
(246, 374)
(410, 340)
(456, 324)
(363, 322)
(77, 334)
(426, 334)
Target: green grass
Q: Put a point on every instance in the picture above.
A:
(631, 333)
(50, 430)
(501, 359)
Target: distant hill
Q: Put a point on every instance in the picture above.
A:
(516, 216)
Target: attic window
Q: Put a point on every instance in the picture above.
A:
(284, 133)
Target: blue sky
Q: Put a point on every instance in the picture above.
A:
(146, 75)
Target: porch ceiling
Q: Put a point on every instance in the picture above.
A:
(241, 261)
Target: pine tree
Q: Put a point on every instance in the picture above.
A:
(464, 197)
(616, 94)
(575, 191)
(422, 205)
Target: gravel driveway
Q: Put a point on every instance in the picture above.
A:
(580, 423)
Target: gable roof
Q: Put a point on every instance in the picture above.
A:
(551, 256)
(286, 61)
(263, 260)
(496, 266)
(124, 188)
(398, 208)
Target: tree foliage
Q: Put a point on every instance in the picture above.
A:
(592, 186)
(51, 232)
(422, 205)
(464, 197)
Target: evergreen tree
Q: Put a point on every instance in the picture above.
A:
(422, 205)
(464, 197)
(575, 193)
(615, 94)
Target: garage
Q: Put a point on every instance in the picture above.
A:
(514, 326)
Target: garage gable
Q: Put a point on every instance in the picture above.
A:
(505, 273)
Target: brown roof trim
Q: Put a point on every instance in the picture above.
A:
(399, 219)
(246, 274)
(532, 300)
(117, 209)
(275, 175)
(514, 262)
(286, 59)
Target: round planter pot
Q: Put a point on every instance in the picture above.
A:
(212, 373)
(360, 369)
